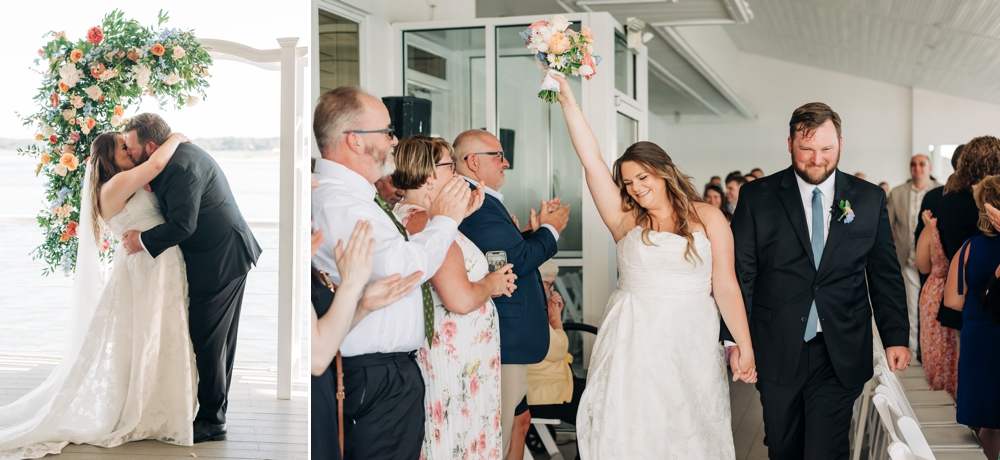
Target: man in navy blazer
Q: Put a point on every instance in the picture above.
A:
(524, 331)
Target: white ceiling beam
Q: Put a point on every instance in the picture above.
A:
(681, 46)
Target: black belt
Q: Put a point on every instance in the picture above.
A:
(375, 359)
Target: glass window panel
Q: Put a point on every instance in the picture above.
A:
(544, 163)
(628, 132)
(569, 285)
(338, 52)
(624, 67)
(428, 63)
(445, 66)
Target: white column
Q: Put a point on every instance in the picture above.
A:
(286, 221)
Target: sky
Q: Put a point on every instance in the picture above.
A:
(242, 100)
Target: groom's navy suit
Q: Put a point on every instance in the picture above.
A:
(524, 325)
(201, 217)
(808, 388)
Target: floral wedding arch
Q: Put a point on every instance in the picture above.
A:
(87, 86)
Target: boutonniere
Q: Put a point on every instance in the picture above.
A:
(846, 213)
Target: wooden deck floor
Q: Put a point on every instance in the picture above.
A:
(260, 426)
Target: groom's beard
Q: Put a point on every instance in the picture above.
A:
(816, 176)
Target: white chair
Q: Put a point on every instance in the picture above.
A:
(899, 451)
(551, 447)
(921, 440)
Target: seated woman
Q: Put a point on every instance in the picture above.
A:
(461, 365)
(978, 377)
(553, 391)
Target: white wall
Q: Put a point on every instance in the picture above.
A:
(944, 119)
(875, 119)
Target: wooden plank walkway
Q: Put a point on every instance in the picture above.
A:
(260, 426)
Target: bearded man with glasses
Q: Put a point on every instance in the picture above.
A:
(524, 325)
(384, 391)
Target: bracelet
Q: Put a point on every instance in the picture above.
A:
(570, 105)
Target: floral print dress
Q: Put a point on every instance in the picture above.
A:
(461, 371)
(938, 345)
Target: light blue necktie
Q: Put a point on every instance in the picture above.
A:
(817, 243)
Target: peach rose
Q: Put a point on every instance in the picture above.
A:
(179, 52)
(559, 43)
(75, 55)
(70, 161)
(63, 87)
(157, 49)
(90, 122)
(120, 111)
(588, 35)
(39, 137)
(45, 158)
(76, 101)
(538, 25)
(64, 237)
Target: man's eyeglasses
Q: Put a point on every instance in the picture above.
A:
(500, 154)
(450, 164)
(388, 131)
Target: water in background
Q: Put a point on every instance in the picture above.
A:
(34, 308)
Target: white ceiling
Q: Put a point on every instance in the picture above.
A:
(949, 46)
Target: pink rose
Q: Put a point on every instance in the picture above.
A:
(74, 137)
(473, 385)
(437, 413)
(538, 25)
(94, 35)
(448, 329)
(588, 35)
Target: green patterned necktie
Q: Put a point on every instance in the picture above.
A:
(425, 288)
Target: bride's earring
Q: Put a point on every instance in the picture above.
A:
(430, 186)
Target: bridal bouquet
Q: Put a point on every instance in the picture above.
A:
(560, 49)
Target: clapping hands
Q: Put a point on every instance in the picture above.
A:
(354, 263)
(455, 200)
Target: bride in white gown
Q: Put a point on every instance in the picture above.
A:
(656, 387)
(128, 372)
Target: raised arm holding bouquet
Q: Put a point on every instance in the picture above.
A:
(560, 50)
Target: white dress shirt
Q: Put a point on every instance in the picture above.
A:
(806, 191)
(499, 196)
(343, 198)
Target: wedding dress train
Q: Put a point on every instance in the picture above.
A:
(657, 385)
(133, 375)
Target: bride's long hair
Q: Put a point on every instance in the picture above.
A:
(102, 159)
(680, 192)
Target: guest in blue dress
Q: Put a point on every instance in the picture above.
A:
(978, 373)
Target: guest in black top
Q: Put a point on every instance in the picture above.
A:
(958, 214)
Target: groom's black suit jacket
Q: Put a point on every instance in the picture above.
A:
(775, 268)
(203, 219)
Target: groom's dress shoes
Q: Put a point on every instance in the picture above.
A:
(204, 431)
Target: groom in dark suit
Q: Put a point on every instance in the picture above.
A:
(524, 325)
(203, 220)
(812, 246)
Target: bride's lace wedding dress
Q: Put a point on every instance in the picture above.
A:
(134, 375)
(657, 383)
